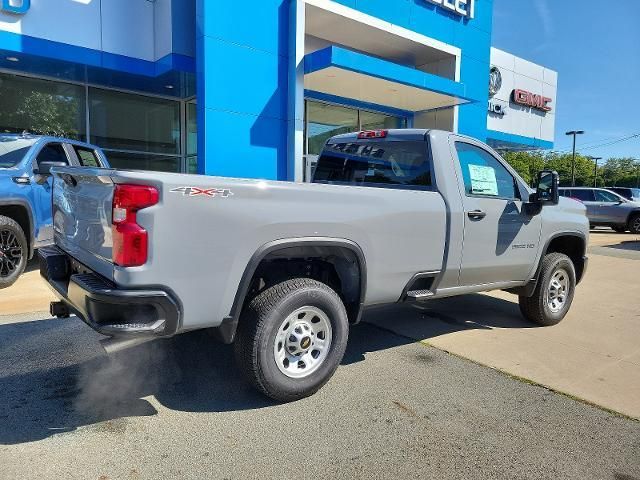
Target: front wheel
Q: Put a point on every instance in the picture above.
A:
(554, 292)
(291, 338)
(13, 251)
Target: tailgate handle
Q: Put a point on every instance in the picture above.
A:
(69, 179)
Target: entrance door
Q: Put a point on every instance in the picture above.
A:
(501, 241)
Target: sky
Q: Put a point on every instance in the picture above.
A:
(594, 45)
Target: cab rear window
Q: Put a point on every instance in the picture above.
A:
(389, 164)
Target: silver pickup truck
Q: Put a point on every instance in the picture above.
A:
(281, 269)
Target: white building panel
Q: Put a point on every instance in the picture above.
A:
(74, 22)
(128, 28)
(133, 28)
(519, 74)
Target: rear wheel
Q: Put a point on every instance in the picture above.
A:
(291, 338)
(554, 292)
(13, 251)
(634, 224)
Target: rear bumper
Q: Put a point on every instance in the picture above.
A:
(103, 306)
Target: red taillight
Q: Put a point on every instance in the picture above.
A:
(373, 134)
(130, 240)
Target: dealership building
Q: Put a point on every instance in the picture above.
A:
(254, 88)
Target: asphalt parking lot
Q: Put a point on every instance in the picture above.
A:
(396, 407)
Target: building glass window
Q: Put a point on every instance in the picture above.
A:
(144, 161)
(42, 107)
(380, 121)
(324, 121)
(192, 138)
(125, 121)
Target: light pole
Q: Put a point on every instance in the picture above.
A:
(595, 170)
(575, 133)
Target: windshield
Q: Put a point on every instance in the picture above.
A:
(13, 149)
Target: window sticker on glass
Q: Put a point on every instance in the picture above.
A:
(483, 180)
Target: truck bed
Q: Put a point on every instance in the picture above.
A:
(204, 231)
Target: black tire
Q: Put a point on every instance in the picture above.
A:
(634, 224)
(619, 229)
(537, 308)
(14, 251)
(260, 323)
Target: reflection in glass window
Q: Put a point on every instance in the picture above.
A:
(324, 121)
(86, 157)
(41, 107)
(137, 161)
(125, 121)
(375, 164)
(380, 121)
(483, 174)
(192, 129)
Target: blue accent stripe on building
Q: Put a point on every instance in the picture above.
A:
(518, 140)
(39, 47)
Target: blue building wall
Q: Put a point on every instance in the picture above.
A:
(242, 51)
(242, 54)
(472, 36)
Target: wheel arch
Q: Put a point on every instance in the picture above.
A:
(344, 256)
(632, 213)
(572, 244)
(20, 211)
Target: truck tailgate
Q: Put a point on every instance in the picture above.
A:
(82, 210)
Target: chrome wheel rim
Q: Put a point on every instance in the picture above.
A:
(302, 342)
(10, 253)
(636, 225)
(558, 290)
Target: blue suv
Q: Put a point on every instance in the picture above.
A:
(25, 194)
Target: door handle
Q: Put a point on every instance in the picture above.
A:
(476, 214)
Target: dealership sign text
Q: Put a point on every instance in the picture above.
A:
(528, 99)
(17, 7)
(466, 8)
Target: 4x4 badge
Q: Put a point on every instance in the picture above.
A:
(205, 192)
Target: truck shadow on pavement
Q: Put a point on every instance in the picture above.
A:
(55, 377)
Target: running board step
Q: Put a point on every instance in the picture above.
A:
(419, 294)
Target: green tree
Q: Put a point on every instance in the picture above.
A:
(620, 172)
(527, 164)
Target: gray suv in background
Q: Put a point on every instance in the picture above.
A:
(632, 194)
(607, 208)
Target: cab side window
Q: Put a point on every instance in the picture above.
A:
(483, 174)
(52, 152)
(87, 157)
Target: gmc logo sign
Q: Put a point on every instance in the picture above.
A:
(528, 99)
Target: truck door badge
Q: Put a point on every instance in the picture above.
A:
(204, 192)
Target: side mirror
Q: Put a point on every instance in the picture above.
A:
(44, 168)
(547, 188)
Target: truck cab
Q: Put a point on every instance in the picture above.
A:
(25, 193)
